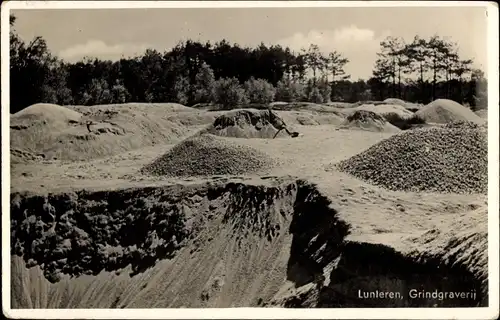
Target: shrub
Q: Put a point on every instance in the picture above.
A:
(318, 91)
(65, 96)
(324, 89)
(48, 94)
(404, 123)
(119, 93)
(204, 84)
(181, 89)
(480, 97)
(259, 91)
(229, 93)
(315, 96)
(289, 91)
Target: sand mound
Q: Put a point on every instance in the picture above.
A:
(193, 119)
(367, 120)
(427, 159)
(407, 105)
(278, 103)
(338, 104)
(244, 123)
(42, 117)
(138, 106)
(218, 244)
(444, 111)
(313, 108)
(47, 112)
(413, 107)
(303, 113)
(61, 133)
(395, 101)
(311, 118)
(207, 155)
(367, 102)
(383, 109)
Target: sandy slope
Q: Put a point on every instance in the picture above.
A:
(114, 129)
(53, 132)
(237, 260)
(445, 111)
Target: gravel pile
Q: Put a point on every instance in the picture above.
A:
(440, 159)
(368, 120)
(462, 125)
(446, 111)
(207, 155)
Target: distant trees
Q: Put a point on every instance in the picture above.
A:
(319, 89)
(229, 75)
(335, 64)
(35, 75)
(391, 63)
(422, 70)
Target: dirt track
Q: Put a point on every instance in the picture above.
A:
(304, 235)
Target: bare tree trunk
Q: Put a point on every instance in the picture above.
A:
(399, 82)
(332, 94)
(422, 85)
(447, 82)
(460, 89)
(434, 79)
(393, 77)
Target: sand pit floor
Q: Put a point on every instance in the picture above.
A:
(377, 215)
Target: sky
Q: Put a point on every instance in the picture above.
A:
(355, 32)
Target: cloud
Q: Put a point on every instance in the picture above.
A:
(99, 49)
(359, 45)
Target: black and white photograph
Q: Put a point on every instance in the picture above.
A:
(273, 159)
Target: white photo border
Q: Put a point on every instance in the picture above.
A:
(490, 312)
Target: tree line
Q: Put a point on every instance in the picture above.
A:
(230, 75)
(426, 69)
